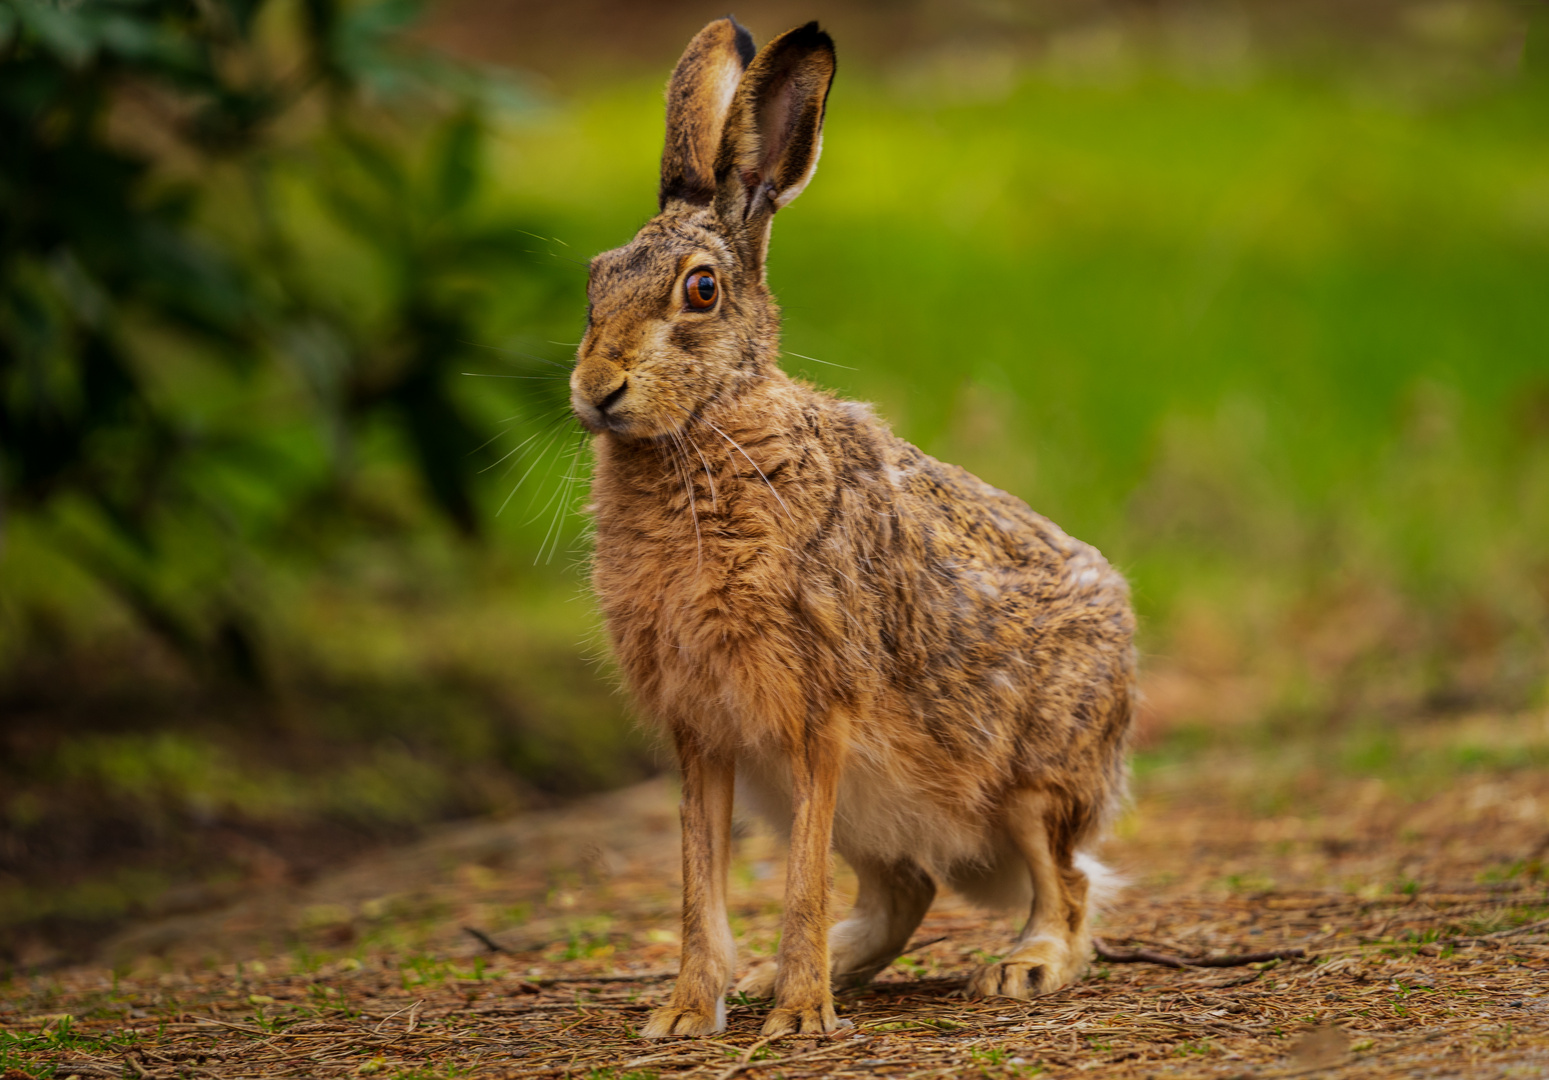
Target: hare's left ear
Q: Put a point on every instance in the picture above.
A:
(698, 97)
(774, 132)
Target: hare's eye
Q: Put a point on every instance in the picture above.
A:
(700, 289)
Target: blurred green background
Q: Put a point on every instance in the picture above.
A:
(1257, 300)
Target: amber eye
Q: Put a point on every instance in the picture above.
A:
(700, 289)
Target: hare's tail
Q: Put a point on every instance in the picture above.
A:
(1004, 882)
(1103, 882)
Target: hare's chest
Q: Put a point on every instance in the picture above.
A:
(695, 620)
(695, 606)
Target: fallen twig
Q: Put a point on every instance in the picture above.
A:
(745, 1058)
(484, 939)
(569, 980)
(406, 1009)
(1494, 940)
(1526, 928)
(1149, 956)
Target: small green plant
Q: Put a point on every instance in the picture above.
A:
(516, 914)
(990, 1055)
(17, 1048)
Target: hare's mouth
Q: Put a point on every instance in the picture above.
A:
(598, 409)
(598, 422)
(610, 421)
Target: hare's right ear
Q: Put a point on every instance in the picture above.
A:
(774, 132)
(698, 98)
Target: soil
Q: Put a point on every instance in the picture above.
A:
(534, 947)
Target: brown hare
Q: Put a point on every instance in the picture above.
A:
(885, 654)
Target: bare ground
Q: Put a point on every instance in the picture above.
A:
(1413, 875)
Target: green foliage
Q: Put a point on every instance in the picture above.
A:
(165, 336)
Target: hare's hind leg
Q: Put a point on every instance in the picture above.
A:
(1053, 946)
(891, 901)
(698, 1004)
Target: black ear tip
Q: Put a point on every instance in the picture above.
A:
(812, 36)
(744, 41)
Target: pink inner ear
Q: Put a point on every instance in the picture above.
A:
(723, 87)
(775, 122)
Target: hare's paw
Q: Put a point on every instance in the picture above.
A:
(816, 1020)
(759, 981)
(1038, 967)
(1011, 979)
(682, 1020)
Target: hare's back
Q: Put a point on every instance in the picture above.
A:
(1013, 647)
(988, 539)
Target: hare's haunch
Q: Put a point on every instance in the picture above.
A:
(889, 656)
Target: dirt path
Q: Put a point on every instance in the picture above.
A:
(1418, 890)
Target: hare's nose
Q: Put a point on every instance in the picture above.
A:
(593, 393)
(613, 396)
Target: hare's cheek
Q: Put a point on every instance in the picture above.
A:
(693, 336)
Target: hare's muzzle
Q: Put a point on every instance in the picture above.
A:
(594, 390)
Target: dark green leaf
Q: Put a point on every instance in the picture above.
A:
(67, 35)
(458, 162)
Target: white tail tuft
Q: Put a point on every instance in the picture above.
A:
(1104, 884)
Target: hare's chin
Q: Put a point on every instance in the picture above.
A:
(623, 427)
(598, 422)
(592, 421)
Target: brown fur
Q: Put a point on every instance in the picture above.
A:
(891, 656)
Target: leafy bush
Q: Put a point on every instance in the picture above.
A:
(179, 387)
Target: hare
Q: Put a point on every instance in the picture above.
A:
(889, 657)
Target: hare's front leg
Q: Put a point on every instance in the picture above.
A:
(698, 1005)
(892, 899)
(804, 1002)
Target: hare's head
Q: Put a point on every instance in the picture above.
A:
(680, 316)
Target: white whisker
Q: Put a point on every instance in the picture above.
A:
(680, 459)
(497, 375)
(556, 527)
(756, 469)
(504, 426)
(714, 501)
(536, 458)
(515, 449)
(815, 360)
(514, 352)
